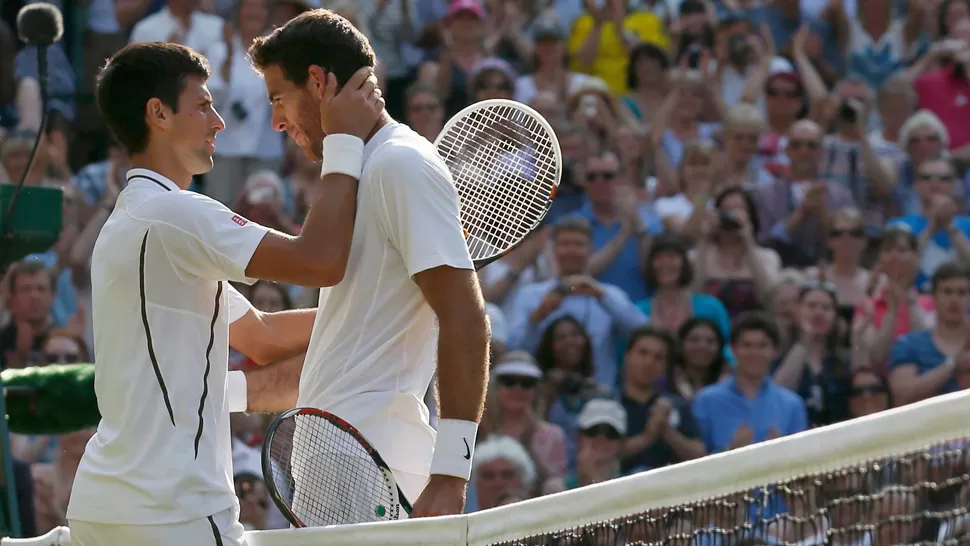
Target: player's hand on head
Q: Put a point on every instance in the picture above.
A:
(354, 108)
(443, 496)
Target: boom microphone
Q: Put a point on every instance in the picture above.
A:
(40, 24)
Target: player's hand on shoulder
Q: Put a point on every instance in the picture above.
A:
(355, 108)
(443, 496)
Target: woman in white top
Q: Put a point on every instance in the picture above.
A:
(550, 72)
(248, 143)
(686, 212)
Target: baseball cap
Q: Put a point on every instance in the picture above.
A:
(602, 411)
(466, 6)
(518, 364)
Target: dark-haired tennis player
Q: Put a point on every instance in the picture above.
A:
(410, 298)
(158, 472)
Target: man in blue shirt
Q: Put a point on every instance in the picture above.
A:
(922, 364)
(604, 310)
(748, 407)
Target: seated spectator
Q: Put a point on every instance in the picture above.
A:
(65, 346)
(551, 73)
(660, 428)
(604, 310)
(742, 167)
(513, 412)
(702, 358)
(602, 426)
(895, 307)
(491, 78)
(816, 366)
(253, 500)
(669, 276)
(463, 32)
(31, 297)
(501, 465)
(728, 262)
(943, 230)
(423, 110)
(868, 393)
(923, 363)
(647, 82)
(749, 407)
(685, 212)
(922, 137)
(782, 304)
(262, 200)
(565, 357)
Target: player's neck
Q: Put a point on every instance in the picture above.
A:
(163, 164)
(381, 122)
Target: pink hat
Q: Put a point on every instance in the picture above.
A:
(472, 6)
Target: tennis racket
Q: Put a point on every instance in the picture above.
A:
(320, 471)
(506, 162)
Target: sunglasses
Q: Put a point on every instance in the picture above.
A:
(510, 381)
(808, 144)
(935, 177)
(62, 358)
(593, 176)
(855, 233)
(864, 390)
(782, 93)
(601, 431)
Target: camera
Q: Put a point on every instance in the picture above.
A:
(563, 289)
(728, 222)
(846, 112)
(573, 384)
(694, 53)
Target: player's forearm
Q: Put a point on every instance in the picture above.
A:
(328, 231)
(286, 333)
(274, 387)
(463, 367)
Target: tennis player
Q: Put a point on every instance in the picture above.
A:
(158, 472)
(410, 297)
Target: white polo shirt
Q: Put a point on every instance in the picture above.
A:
(374, 345)
(161, 312)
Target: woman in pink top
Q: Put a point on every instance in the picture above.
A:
(894, 307)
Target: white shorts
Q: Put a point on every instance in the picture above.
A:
(222, 529)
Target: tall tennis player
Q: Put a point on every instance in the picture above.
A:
(410, 298)
(158, 472)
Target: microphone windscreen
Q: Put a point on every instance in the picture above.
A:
(64, 401)
(40, 24)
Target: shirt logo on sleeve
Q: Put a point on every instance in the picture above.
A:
(239, 220)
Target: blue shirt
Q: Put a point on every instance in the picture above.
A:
(721, 408)
(918, 348)
(624, 271)
(707, 306)
(939, 248)
(604, 318)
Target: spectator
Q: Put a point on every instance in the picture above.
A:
(602, 426)
(685, 213)
(491, 78)
(64, 346)
(501, 465)
(748, 407)
(782, 304)
(922, 363)
(869, 393)
(253, 500)
(423, 110)
(53, 481)
(922, 137)
(669, 276)
(31, 295)
(603, 309)
(939, 91)
(646, 81)
(461, 49)
(660, 427)
(550, 71)
(741, 132)
(182, 22)
(703, 358)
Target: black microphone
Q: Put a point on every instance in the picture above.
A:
(39, 25)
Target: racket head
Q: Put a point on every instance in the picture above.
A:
(320, 470)
(506, 163)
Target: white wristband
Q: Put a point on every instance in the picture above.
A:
(454, 448)
(343, 154)
(236, 391)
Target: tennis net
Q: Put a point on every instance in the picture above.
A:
(899, 477)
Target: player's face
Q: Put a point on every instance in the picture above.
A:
(295, 111)
(193, 129)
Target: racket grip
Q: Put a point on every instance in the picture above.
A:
(237, 391)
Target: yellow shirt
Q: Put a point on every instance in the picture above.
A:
(611, 60)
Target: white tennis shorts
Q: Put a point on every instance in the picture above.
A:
(222, 529)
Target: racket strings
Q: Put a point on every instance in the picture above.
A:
(505, 167)
(326, 477)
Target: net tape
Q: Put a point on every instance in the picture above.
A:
(899, 477)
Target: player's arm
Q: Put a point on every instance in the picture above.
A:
(267, 337)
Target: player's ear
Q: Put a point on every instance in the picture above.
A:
(318, 81)
(157, 113)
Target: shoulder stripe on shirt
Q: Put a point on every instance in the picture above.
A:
(148, 330)
(143, 177)
(208, 365)
(212, 522)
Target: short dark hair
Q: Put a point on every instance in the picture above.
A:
(138, 73)
(316, 37)
(668, 242)
(755, 321)
(651, 331)
(642, 51)
(749, 205)
(948, 271)
(28, 268)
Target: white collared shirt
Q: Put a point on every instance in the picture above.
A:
(203, 35)
(161, 313)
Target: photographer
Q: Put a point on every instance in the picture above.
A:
(944, 91)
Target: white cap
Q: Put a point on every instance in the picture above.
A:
(500, 326)
(602, 411)
(516, 366)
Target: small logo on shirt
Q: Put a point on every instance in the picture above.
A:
(239, 220)
(468, 451)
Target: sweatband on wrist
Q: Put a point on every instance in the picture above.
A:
(236, 391)
(454, 448)
(343, 154)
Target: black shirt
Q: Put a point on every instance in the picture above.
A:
(659, 453)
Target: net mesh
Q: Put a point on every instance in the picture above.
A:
(899, 477)
(505, 165)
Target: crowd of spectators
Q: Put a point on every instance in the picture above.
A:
(762, 225)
